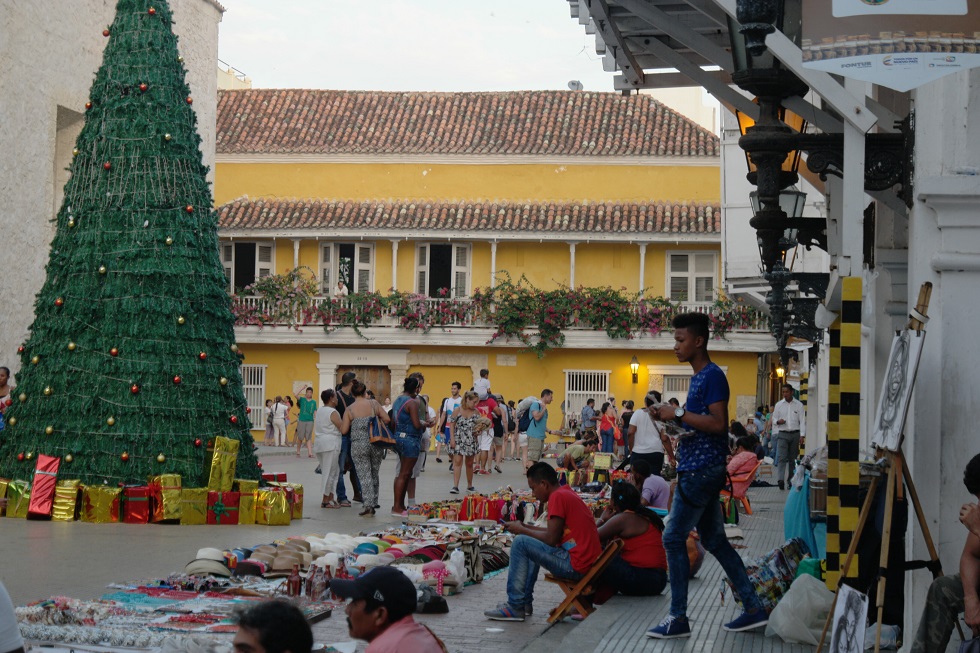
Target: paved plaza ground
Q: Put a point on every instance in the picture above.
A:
(43, 559)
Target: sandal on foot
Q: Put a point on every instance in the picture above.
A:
(367, 512)
(344, 504)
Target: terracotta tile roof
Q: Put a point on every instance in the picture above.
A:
(560, 123)
(517, 217)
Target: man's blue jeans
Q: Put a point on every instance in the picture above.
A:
(696, 505)
(527, 555)
(341, 486)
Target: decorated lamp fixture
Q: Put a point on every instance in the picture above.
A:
(634, 368)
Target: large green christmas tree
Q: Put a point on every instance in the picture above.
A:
(131, 367)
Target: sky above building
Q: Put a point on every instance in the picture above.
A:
(408, 45)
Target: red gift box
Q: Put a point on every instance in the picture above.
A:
(42, 491)
(223, 507)
(136, 504)
(278, 477)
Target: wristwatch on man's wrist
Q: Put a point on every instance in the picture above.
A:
(679, 413)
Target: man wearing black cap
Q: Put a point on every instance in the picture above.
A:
(380, 609)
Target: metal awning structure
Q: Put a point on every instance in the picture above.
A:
(670, 43)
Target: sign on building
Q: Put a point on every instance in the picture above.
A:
(901, 44)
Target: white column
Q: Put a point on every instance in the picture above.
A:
(328, 376)
(643, 265)
(571, 264)
(493, 263)
(296, 242)
(394, 265)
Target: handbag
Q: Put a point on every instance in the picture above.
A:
(379, 435)
(970, 646)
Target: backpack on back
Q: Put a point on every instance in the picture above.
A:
(524, 418)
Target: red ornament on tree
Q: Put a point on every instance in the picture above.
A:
(189, 208)
(20, 457)
(143, 87)
(124, 456)
(190, 100)
(152, 11)
(59, 302)
(105, 33)
(177, 380)
(9, 402)
(135, 389)
(233, 419)
(259, 464)
(113, 352)
(88, 105)
(197, 442)
(20, 350)
(202, 356)
(248, 411)
(107, 165)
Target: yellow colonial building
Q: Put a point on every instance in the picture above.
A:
(593, 216)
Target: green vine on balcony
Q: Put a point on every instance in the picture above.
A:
(519, 311)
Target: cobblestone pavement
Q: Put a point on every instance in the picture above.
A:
(75, 559)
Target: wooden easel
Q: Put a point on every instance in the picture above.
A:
(894, 462)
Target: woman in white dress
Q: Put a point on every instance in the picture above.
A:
(326, 445)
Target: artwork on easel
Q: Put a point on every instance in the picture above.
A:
(850, 619)
(893, 403)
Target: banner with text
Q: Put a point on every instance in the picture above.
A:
(876, 44)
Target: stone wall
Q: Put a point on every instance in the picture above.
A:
(51, 50)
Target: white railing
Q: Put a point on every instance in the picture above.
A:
(456, 313)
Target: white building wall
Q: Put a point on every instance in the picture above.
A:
(944, 248)
(50, 51)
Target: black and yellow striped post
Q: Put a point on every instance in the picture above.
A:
(844, 431)
(804, 387)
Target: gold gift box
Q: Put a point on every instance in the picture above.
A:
(223, 462)
(18, 499)
(193, 506)
(246, 508)
(4, 482)
(272, 508)
(66, 501)
(100, 504)
(297, 507)
(165, 492)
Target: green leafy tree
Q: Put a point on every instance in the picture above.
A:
(131, 367)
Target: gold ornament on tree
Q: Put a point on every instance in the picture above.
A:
(48, 430)
(47, 391)
(223, 381)
(71, 346)
(69, 458)
(111, 420)
(161, 458)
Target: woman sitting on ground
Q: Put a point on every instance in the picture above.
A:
(654, 490)
(640, 569)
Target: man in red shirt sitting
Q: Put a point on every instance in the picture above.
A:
(567, 547)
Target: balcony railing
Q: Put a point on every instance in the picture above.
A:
(420, 313)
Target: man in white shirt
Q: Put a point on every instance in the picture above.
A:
(788, 418)
(647, 438)
(449, 404)
(341, 289)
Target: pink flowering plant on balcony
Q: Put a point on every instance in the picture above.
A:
(516, 311)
